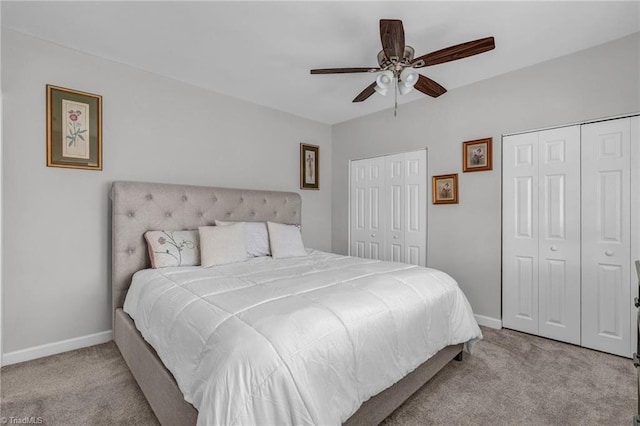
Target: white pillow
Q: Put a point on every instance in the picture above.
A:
(222, 244)
(256, 237)
(173, 248)
(286, 240)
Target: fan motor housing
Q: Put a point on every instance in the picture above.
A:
(407, 57)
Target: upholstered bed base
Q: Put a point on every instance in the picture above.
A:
(139, 207)
(167, 402)
(155, 381)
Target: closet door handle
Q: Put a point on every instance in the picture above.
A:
(373, 235)
(395, 237)
(609, 252)
(554, 248)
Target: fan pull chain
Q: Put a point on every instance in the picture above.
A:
(395, 96)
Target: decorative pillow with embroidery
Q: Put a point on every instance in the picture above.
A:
(173, 248)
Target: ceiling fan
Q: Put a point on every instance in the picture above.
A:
(397, 63)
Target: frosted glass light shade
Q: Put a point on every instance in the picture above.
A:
(409, 76)
(384, 79)
(383, 82)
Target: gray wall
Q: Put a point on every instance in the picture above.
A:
(464, 239)
(57, 235)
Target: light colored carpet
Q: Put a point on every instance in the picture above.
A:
(511, 379)
(514, 378)
(90, 386)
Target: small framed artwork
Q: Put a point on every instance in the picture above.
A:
(477, 155)
(74, 129)
(309, 166)
(445, 189)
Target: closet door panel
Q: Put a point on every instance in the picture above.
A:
(415, 236)
(520, 233)
(374, 213)
(559, 234)
(358, 210)
(396, 213)
(606, 236)
(635, 224)
(367, 208)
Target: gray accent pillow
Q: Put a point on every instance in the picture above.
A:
(173, 248)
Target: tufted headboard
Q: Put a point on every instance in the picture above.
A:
(138, 207)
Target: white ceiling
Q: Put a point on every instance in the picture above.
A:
(262, 51)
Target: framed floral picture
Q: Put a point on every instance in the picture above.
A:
(309, 166)
(477, 155)
(74, 129)
(445, 189)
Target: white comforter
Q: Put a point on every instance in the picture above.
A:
(295, 341)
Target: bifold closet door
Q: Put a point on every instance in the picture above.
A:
(608, 235)
(415, 183)
(541, 233)
(396, 195)
(520, 232)
(388, 208)
(367, 210)
(559, 234)
(405, 228)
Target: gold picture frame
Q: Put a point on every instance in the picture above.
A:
(445, 189)
(309, 166)
(477, 155)
(74, 129)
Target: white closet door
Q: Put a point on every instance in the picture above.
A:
(559, 234)
(520, 232)
(396, 214)
(635, 224)
(367, 208)
(606, 246)
(415, 236)
(388, 208)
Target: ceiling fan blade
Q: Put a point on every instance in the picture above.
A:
(343, 70)
(429, 87)
(392, 38)
(366, 93)
(453, 53)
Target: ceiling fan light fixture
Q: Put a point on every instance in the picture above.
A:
(383, 82)
(397, 63)
(409, 76)
(384, 79)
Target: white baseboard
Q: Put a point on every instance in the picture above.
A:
(488, 321)
(55, 348)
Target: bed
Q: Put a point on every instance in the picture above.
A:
(138, 207)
